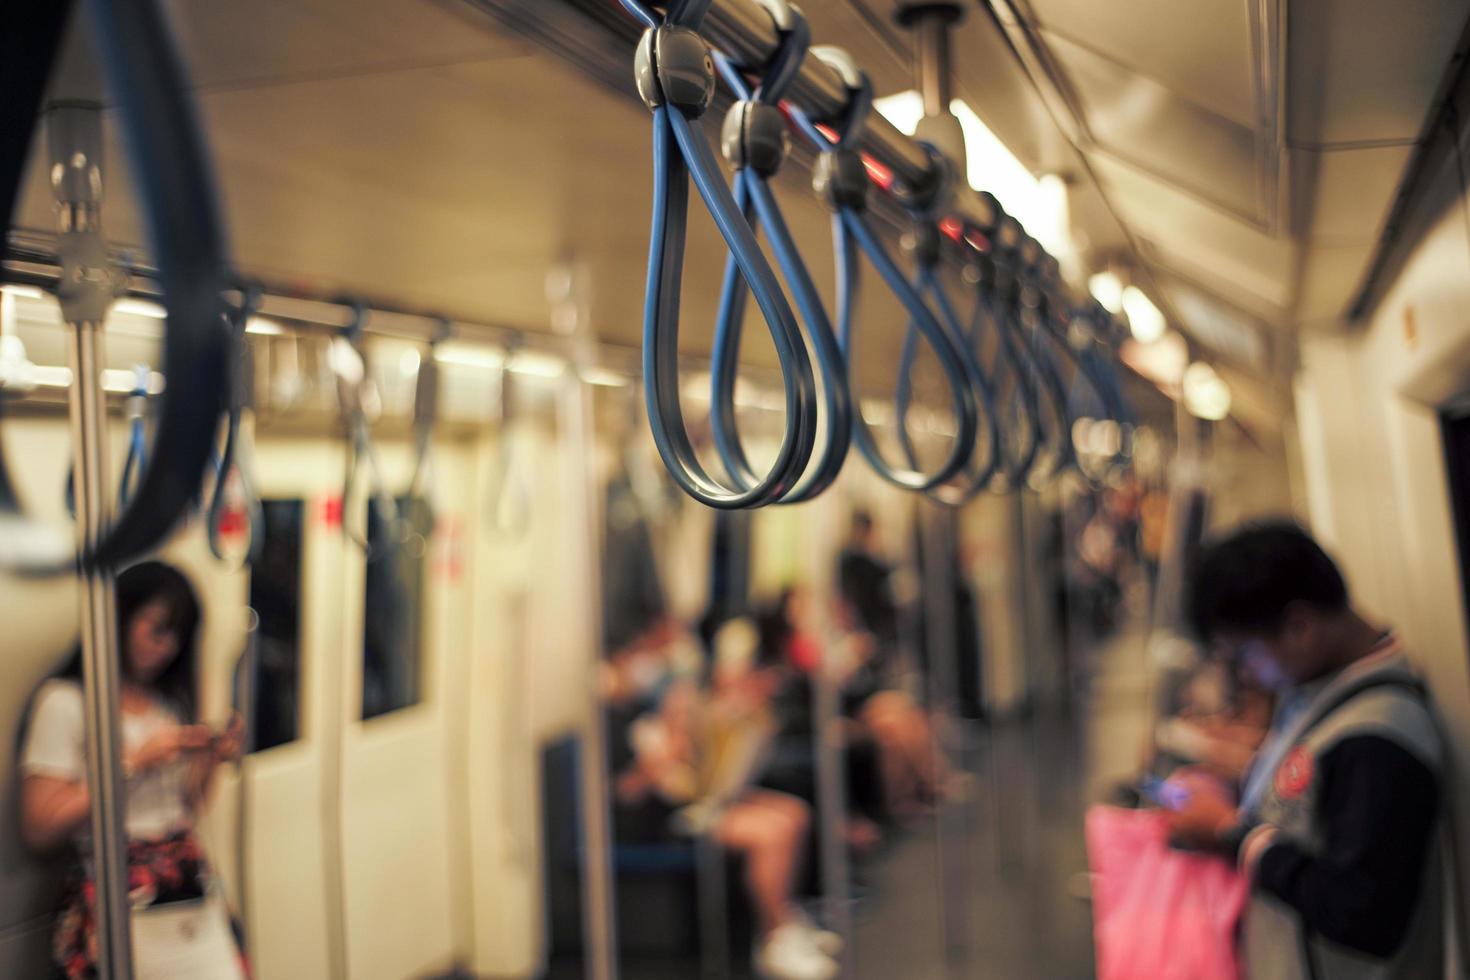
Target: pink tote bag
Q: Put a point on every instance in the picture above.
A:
(1159, 913)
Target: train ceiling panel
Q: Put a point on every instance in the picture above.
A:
(1137, 119)
(1252, 148)
(1230, 256)
(279, 41)
(1199, 49)
(429, 176)
(386, 146)
(1353, 191)
(1325, 271)
(1366, 71)
(988, 78)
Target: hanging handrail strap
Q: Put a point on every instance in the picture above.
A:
(755, 141)
(976, 476)
(235, 458)
(842, 182)
(676, 77)
(350, 366)
(1021, 442)
(170, 165)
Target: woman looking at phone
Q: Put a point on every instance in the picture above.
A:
(169, 763)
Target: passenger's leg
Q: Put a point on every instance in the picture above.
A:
(770, 837)
(903, 759)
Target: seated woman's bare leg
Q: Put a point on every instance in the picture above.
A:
(770, 832)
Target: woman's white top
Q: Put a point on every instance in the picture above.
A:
(56, 746)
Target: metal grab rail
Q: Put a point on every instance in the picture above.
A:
(676, 77)
(749, 35)
(842, 182)
(755, 142)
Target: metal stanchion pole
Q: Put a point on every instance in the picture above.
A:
(931, 22)
(85, 290)
(599, 912)
(832, 804)
(939, 633)
(830, 748)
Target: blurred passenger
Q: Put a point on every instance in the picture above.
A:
(907, 779)
(864, 580)
(1336, 823)
(1153, 529)
(169, 763)
(686, 764)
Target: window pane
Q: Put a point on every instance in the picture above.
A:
(392, 634)
(275, 595)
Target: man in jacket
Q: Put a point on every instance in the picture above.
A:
(1337, 822)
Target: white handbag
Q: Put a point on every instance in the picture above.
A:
(186, 941)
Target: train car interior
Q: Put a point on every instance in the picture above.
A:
(717, 488)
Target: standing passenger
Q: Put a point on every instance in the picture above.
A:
(180, 925)
(1337, 824)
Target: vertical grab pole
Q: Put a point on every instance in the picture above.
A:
(599, 912)
(830, 748)
(85, 291)
(939, 609)
(931, 22)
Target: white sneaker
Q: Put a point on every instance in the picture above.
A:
(825, 940)
(788, 954)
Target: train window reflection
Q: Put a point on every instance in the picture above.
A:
(392, 635)
(275, 594)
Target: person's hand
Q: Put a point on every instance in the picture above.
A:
(1204, 811)
(229, 745)
(167, 744)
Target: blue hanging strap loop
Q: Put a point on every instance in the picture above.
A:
(147, 79)
(1081, 333)
(928, 247)
(675, 73)
(234, 462)
(1084, 333)
(1020, 427)
(1033, 354)
(1105, 336)
(755, 141)
(842, 182)
(136, 413)
(1050, 351)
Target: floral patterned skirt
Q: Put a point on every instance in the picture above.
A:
(161, 872)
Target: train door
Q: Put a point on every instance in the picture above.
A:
(398, 645)
(288, 779)
(505, 522)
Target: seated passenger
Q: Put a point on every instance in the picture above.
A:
(169, 763)
(909, 777)
(1337, 821)
(686, 764)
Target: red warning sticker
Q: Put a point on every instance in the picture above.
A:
(329, 512)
